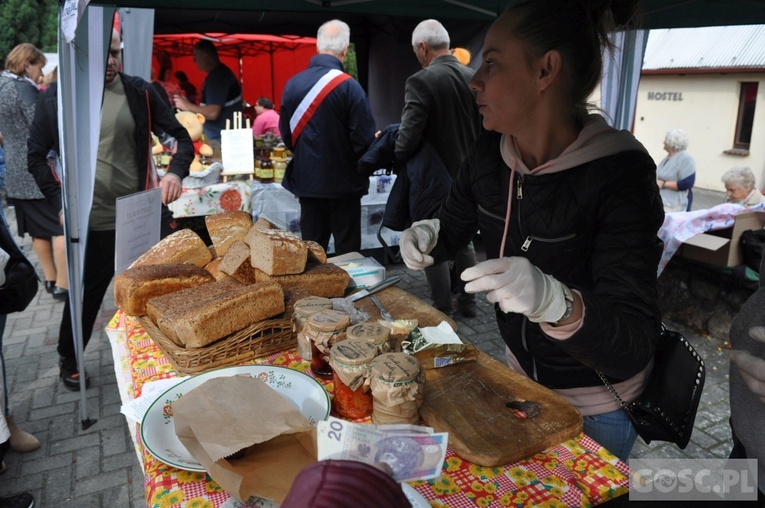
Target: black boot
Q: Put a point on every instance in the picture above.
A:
(70, 376)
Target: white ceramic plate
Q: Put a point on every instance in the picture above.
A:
(158, 430)
(415, 498)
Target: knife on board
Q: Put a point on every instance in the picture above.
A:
(390, 281)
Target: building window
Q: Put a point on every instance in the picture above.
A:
(746, 103)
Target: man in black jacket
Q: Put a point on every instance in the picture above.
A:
(440, 108)
(130, 108)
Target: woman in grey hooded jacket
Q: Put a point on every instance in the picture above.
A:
(568, 209)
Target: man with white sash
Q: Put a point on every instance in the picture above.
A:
(325, 120)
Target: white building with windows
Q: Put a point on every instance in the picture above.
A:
(711, 83)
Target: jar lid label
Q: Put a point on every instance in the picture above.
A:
(395, 367)
(353, 351)
(373, 332)
(329, 320)
(312, 304)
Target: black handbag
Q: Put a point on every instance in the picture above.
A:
(666, 410)
(21, 278)
(752, 244)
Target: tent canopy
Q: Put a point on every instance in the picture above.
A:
(263, 63)
(267, 17)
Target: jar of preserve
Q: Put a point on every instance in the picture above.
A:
(280, 166)
(266, 170)
(374, 333)
(350, 361)
(303, 309)
(325, 328)
(397, 384)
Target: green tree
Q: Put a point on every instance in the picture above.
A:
(33, 21)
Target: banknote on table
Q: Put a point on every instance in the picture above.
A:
(411, 451)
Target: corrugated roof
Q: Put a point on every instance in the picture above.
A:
(713, 47)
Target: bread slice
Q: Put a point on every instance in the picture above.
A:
(315, 251)
(184, 246)
(134, 287)
(236, 263)
(226, 228)
(200, 324)
(276, 252)
(327, 280)
(214, 268)
(262, 223)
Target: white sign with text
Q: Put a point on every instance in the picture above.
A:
(138, 226)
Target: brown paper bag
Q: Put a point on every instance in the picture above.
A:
(228, 414)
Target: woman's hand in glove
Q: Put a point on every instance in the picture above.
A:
(518, 286)
(752, 368)
(417, 242)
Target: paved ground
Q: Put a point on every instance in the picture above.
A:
(97, 467)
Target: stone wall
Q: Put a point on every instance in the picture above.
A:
(702, 297)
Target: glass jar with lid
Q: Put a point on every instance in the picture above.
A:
(374, 333)
(280, 166)
(350, 361)
(397, 384)
(303, 309)
(266, 170)
(325, 328)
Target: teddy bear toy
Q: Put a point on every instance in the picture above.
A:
(193, 123)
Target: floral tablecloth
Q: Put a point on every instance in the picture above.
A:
(212, 199)
(578, 472)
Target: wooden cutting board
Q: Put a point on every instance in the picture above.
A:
(467, 400)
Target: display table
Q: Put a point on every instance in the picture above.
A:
(578, 472)
(273, 202)
(212, 199)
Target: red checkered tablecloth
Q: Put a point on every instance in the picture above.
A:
(578, 472)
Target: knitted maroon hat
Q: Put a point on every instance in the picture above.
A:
(344, 484)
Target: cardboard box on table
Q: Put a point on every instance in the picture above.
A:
(364, 271)
(721, 247)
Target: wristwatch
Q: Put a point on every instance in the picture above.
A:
(568, 297)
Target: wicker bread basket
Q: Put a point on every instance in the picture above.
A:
(258, 339)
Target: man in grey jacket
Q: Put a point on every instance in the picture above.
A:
(440, 108)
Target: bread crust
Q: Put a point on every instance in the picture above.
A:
(184, 246)
(134, 287)
(227, 228)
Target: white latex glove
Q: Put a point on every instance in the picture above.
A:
(752, 368)
(518, 286)
(417, 242)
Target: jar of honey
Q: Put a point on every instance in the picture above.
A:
(325, 328)
(373, 333)
(266, 170)
(350, 360)
(397, 384)
(303, 309)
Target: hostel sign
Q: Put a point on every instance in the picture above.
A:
(665, 96)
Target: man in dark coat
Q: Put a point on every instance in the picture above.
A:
(131, 107)
(325, 120)
(441, 108)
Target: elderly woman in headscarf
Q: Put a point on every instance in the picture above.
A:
(739, 187)
(676, 174)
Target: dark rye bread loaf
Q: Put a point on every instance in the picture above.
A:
(327, 280)
(134, 287)
(202, 320)
(276, 252)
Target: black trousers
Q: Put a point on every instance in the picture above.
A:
(340, 218)
(96, 277)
